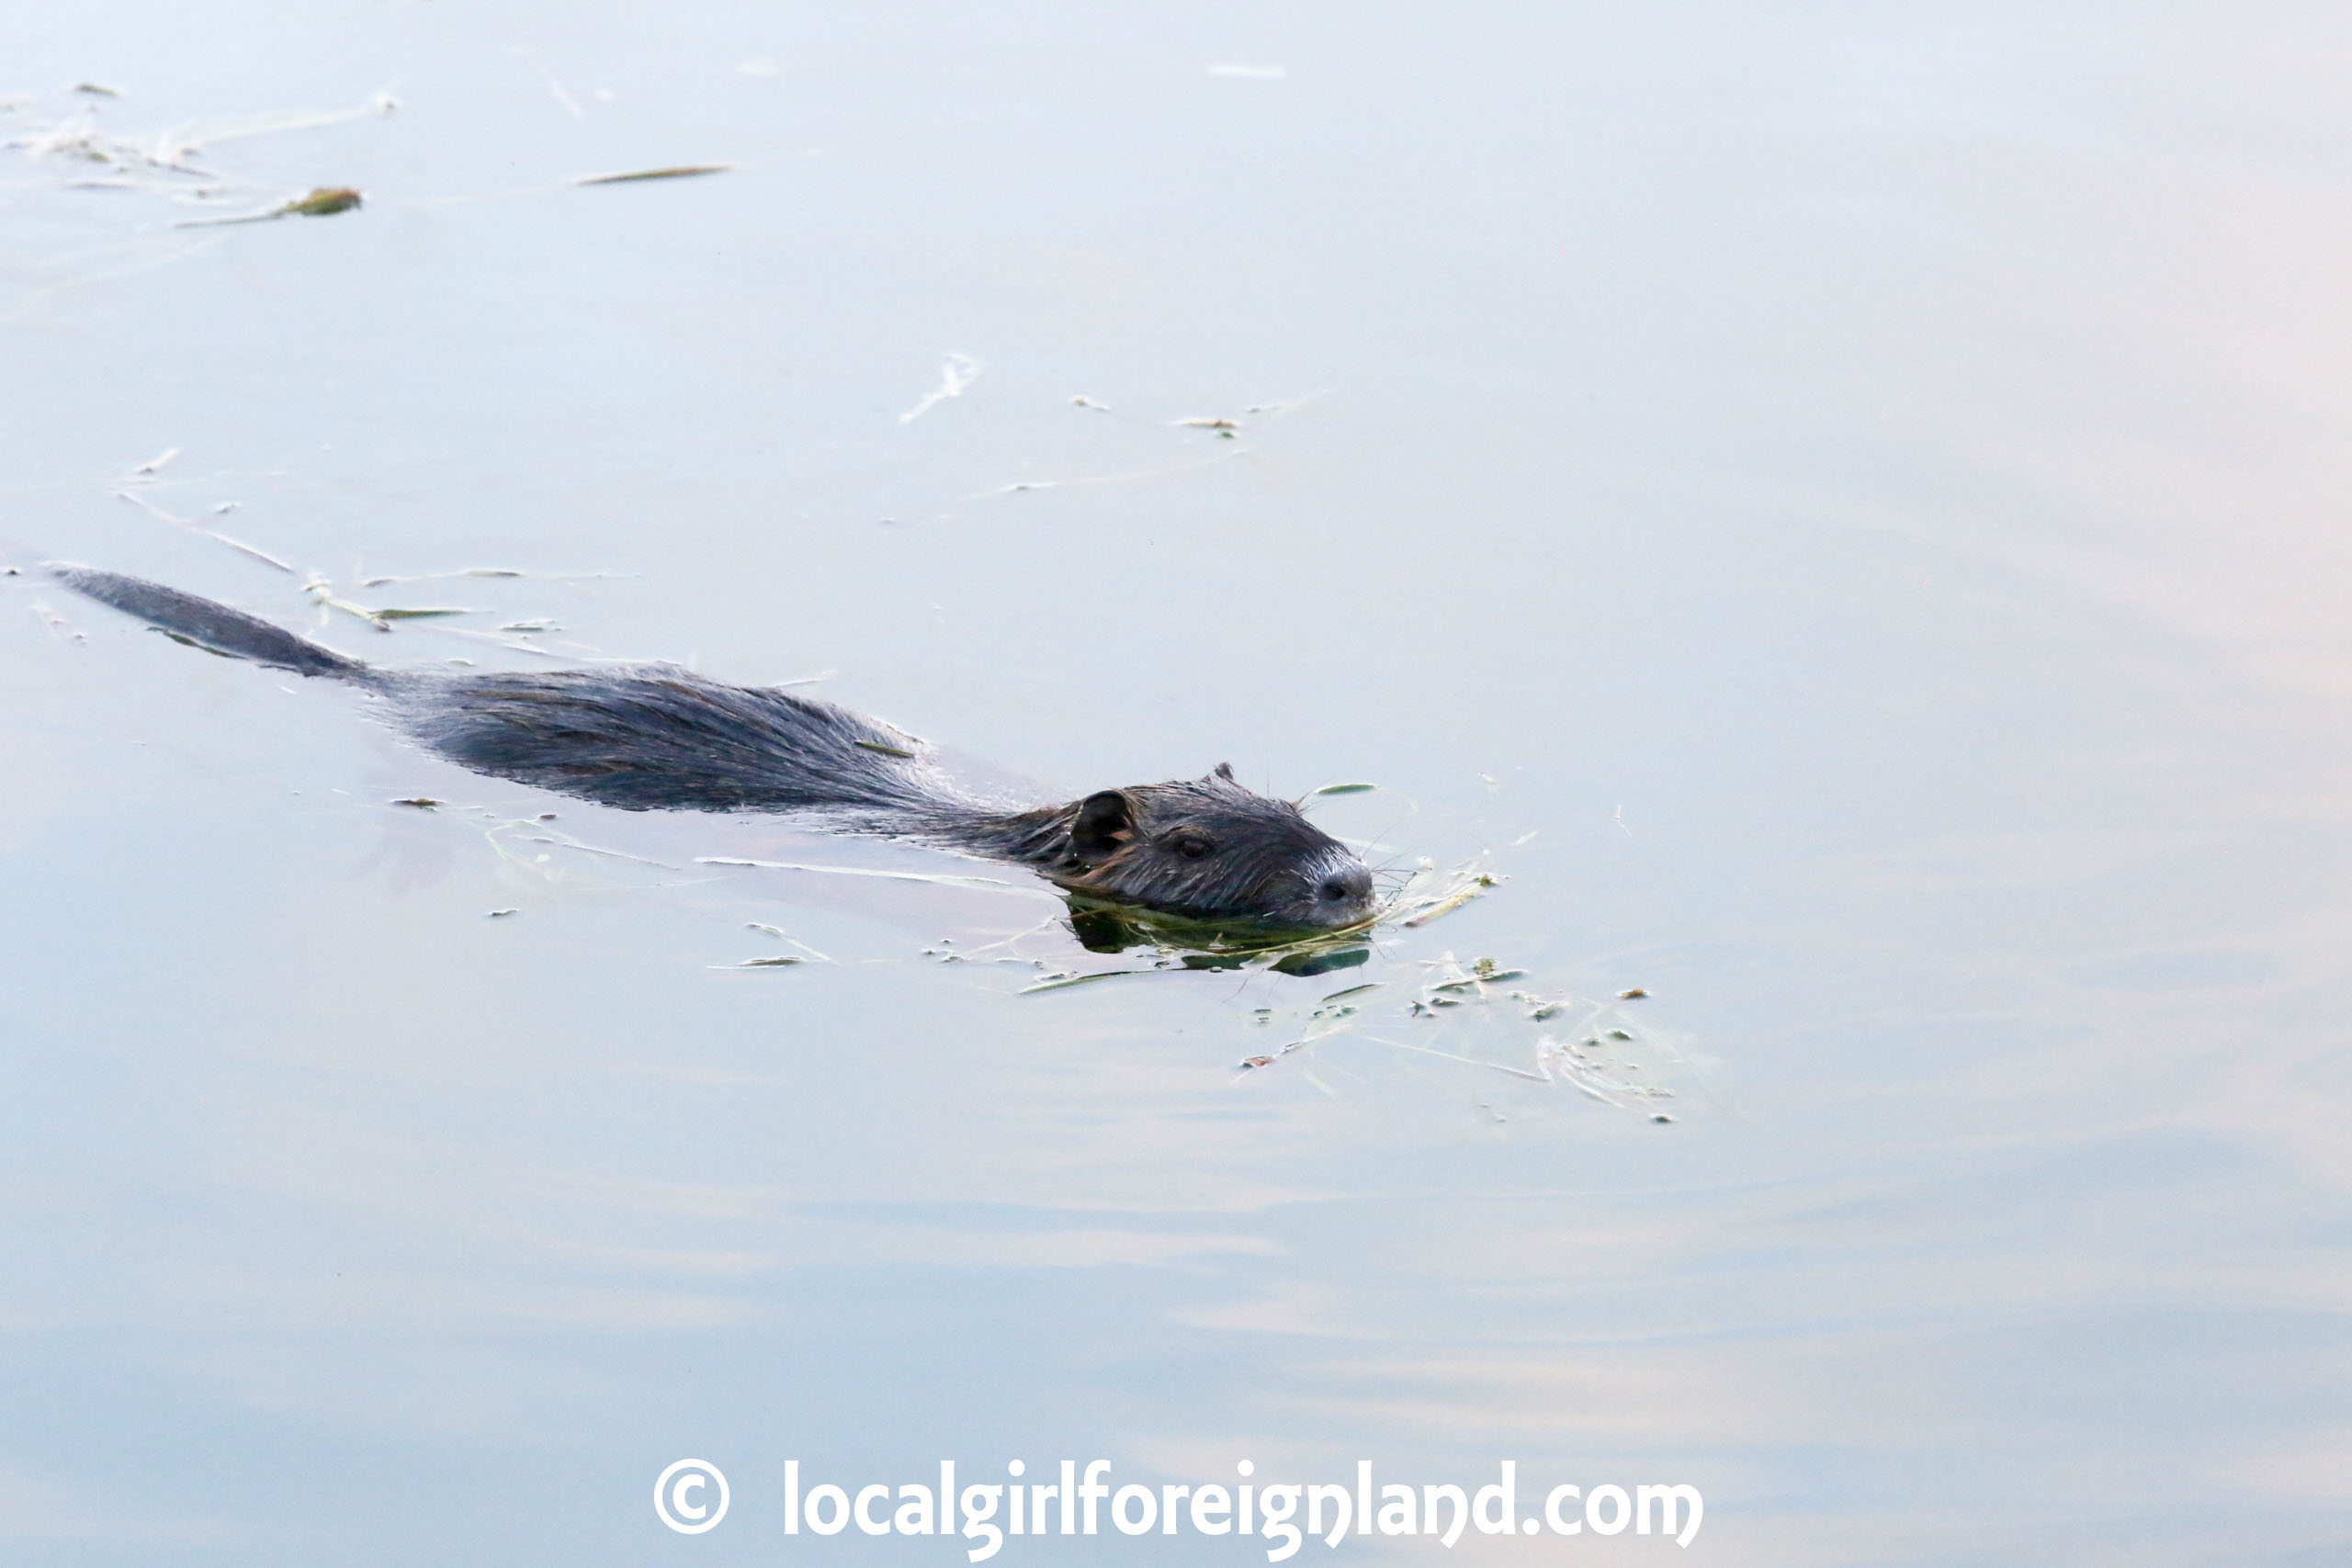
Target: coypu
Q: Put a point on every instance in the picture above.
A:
(655, 736)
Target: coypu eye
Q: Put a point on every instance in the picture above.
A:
(1191, 846)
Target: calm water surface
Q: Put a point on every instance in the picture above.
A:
(1844, 513)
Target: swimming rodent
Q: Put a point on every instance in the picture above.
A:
(656, 737)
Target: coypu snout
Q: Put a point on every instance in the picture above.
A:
(1347, 888)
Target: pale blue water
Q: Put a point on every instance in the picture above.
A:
(1841, 511)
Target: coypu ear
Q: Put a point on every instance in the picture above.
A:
(1103, 821)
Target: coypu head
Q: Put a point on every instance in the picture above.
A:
(1211, 851)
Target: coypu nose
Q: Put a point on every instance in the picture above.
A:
(1353, 885)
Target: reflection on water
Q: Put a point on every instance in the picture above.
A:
(1837, 516)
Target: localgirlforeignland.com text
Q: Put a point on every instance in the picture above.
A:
(985, 1513)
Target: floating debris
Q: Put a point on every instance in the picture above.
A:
(1063, 982)
(239, 545)
(1343, 789)
(422, 802)
(439, 576)
(1633, 994)
(502, 914)
(1478, 884)
(884, 751)
(324, 201)
(1247, 1062)
(957, 372)
(173, 148)
(782, 936)
(673, 171)
(99, 90)
(322, 592)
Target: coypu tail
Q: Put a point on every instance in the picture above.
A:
(208, 625)
(658, 738)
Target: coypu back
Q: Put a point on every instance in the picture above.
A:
(658, 738)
